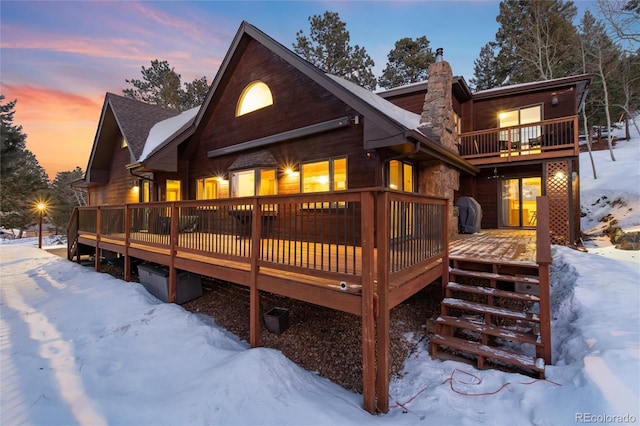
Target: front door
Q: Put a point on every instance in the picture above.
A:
(518, 201)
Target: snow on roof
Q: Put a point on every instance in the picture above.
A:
(163, 130)
(406, 118)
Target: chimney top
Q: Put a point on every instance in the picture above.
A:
(439, 52)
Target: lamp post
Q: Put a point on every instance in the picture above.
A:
(41, 208)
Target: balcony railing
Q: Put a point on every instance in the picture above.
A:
(543, 139)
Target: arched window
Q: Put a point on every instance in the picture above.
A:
(255, 96)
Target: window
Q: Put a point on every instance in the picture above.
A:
(457, 122)
(123, 142)
(207, 188)
(173, 190)
(401, 176)
(145, 196)
(255, 96)
(246, 183)
(521, 136)
(323, 176)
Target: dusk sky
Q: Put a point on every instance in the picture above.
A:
(60, 58)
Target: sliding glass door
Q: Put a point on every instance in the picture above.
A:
(518, 201)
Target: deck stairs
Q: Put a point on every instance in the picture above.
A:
(489, 315)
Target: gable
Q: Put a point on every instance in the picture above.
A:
(297, 101)
(121, 117)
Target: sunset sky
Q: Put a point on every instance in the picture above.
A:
(58, 59)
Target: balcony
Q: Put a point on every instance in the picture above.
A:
(533, 141)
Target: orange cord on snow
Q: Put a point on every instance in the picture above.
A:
(475, 381)
(478, 381)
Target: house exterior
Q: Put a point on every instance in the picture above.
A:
(300, 183)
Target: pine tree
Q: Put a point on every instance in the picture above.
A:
(486, 72)
(22, 175)
(63, 198)
(536, 39)
(328, 48)
(161, 85)
(408, 62)
(13, 139)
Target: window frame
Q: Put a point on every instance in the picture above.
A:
(257, 181)
(403, 172)
(246, 96)
(331, 172)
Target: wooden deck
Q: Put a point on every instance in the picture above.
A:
(505, 246)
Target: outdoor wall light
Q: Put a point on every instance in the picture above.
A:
(554, 100)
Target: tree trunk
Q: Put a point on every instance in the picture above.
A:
(588, 135)
(606, 105)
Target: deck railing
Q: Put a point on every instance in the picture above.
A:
(519, 143)
(317, 233)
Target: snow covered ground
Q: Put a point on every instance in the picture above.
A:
(77, 347)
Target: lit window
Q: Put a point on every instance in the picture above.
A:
(457, 122)
(123, 143)
(173, 190)
(518, 118)
(401, 176)
(146, 191)
(322, 176)
(254, 97)
(207, 188)
(246, 183)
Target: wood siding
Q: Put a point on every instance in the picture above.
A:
(482, 114)
(297, 102)
(120, 183)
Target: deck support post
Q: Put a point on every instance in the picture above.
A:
(543, 258)
(173, 273)
(254, 293)
(368, 292)
(96, 261)
(382, 329)
(127, 234)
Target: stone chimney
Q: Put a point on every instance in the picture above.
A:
(436, 121)
(437, 112)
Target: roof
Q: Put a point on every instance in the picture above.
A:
(166, 130)
(582, 81)
(126, 117)
(387, 117)
(135, 119)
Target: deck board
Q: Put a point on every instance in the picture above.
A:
(517, 246)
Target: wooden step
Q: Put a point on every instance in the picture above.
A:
(488, 291)
(520, 360)
(527, 279)
(492, 310)
(489, 329)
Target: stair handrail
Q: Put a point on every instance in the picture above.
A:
(543, 258)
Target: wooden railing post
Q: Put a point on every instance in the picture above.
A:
(382, 349)
(98, 232)
(445, 243)
(368, 292)
(254, 293)
(576, 138)
(543, 258)
(173, 273)
(127, 233)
